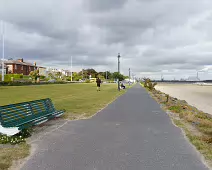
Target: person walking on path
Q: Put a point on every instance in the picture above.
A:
(98, 83)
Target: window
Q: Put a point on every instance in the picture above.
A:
(29, 68)
(15, 67)
(22, 67)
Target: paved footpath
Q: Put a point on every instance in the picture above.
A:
(132, 133)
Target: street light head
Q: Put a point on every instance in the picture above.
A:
(119, 55)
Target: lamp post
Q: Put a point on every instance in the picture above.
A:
(2, 27)
(129, 77)
(118, 70)
(71, 70)
(82, 73)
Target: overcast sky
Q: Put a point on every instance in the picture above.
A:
(173, 37)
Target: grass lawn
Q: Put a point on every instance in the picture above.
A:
(79, 101)
(76, 99)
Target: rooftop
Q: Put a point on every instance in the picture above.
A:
(20, 62)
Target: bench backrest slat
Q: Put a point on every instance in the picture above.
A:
(14, 112)
(38, 106)
(21, 112)
(49, 105)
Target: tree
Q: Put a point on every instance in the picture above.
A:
(126, 77)
(76, 76)
(51, 75)
(58, 74)
(101, 77)
(91, 72)
(117, 75)
(148, 84)
(87, 72)
(34, 74)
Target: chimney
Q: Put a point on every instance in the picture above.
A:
(21, 60)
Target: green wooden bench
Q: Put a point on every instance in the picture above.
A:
(27, 114)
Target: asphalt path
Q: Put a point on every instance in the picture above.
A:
(132, 133)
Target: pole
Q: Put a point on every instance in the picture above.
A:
(2, 28)
(118, 70)
(71, 69)
(106, 76)
(129, 76)
(82, 73)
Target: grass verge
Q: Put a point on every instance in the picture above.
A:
(79, 100)
(196, 124)
(8, 154)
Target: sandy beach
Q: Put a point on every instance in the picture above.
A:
(195, 95)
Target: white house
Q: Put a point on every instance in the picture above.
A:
(130, 80)
(65, 72)
(5, 69)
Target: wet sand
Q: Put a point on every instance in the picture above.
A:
(197, 96)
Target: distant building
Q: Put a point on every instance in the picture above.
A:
(191, 78)
(54, 70)
(20, 66)
(182, 79)
(5, 69)
(132, 80)
(42, 71)
(66, 72)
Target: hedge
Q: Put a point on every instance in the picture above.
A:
(8, 77)
(18, 83)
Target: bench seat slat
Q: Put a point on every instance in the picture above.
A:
(28, 119)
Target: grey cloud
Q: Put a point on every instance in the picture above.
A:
(99, 5)
(150, 35)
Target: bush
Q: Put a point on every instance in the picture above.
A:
(25, 83)
(8, 77)
(68, 79)
(42, 77)
(26, 77)
(87, 81)
(149, 85)
(176, 109)
(18, 138)
(15, 83)
(206, 139)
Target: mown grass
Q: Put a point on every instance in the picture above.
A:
(79, 101)
(76, 99)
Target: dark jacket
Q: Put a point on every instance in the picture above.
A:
(98, 82)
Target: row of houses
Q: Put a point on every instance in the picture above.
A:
(62, 71)
(19, 66)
